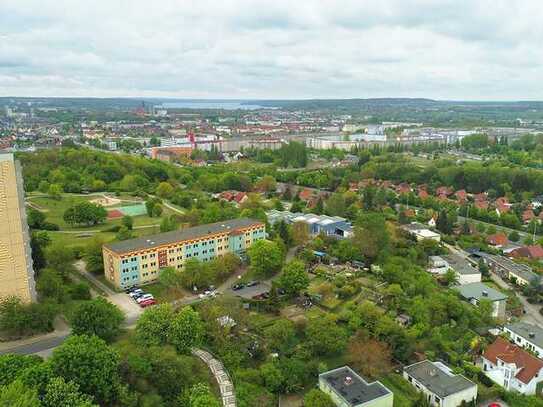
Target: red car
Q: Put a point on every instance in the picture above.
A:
(147, 303)
(494, 405)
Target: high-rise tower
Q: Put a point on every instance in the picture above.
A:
(16, 272)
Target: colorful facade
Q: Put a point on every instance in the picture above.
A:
(138, 261)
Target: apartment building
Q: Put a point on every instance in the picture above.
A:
(138, 261)
(16, 272)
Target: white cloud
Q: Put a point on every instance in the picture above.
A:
(450, 49)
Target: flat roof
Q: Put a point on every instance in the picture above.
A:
(438, 378)
(532, 333)
(480, 291)
(356, 391)
(152, 241)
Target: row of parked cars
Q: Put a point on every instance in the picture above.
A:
(142, 298)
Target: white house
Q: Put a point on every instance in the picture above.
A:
(421, 232)
(527, 336)
(464, 271)
(439, 384)
(512, 367)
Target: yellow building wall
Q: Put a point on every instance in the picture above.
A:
(16, 274)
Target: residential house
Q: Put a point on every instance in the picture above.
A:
(346, 388)
(233, 196)
(481, 204)
(433, 221)
(439, 384)
(502, 206)
(305, 194)
(527, 336)
(512, 367)
(528, 215)
(476, 292)
(497, 240)
(403, 188)
(461, 196)
(533, 252)
(463, 269)
(423, 194)
(445, 191)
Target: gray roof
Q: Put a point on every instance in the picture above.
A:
(437, 378)
(480, 291)
(148, 242)
(460, 265)
(359, 391)
(525, 330)
(522, 270)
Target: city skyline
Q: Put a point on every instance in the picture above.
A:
(444, 50)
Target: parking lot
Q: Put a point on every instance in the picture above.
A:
(249, 293)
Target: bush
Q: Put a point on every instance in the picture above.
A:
(80, 291)
(18, 319)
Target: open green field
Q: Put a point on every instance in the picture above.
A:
(73, 236)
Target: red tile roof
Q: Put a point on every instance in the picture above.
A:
(305, 194)
(444, 191)
(497, 239)
(481, 204)
(528, 215)
(532, 252)
(501, 349)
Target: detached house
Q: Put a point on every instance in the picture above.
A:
(439, 384)
(512, 367)
(497, 240)
(477, 292)
(528, 336)
(534, 252)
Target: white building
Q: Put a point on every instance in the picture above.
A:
(421, 232)
(464, 271)
(512, 367)
(439, 384)
(527, 336)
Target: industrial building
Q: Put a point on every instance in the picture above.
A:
(138, 261)
(333, 226)
(16, 272)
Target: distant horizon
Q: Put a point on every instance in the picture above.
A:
(226, 99)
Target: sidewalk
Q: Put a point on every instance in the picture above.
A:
(38, 343)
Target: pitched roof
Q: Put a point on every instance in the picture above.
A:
(532, 252)
(497, 239)
(528, 364)
(305, 194)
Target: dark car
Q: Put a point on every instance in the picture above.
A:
(238, 286)
(253, 283)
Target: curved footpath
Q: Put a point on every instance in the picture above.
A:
(225, 384)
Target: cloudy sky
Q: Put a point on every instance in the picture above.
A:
(444, 49)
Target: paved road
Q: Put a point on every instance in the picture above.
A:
(532, 314)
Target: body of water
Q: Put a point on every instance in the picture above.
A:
(226, 105)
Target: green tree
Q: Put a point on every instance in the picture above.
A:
(50, 285)
(55, 191)
(443, 223)
(201, 396)
(317, 398)
(514, 236)
(12, 365)
(294, 278)
(17, 394)
(281, 335)
(90, 363)
(60, 393)
(35, 219)
(164, 190)
(152, 327)
(325, 336)
(371, 235)
(86, 213)
(128, 222)
(124, 233)
(265, 258)
(97, 317)
(94, 256)
(60, 258)
(186, 330)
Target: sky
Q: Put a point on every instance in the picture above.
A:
(260, 49)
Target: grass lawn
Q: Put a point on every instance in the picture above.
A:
(162, 293)
(404, 394)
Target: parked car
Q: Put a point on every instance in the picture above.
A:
(253, 283)
(131, 289)
(238, 286)
(135, 293)
(147, 303)
(207, 294)
(145, 297)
